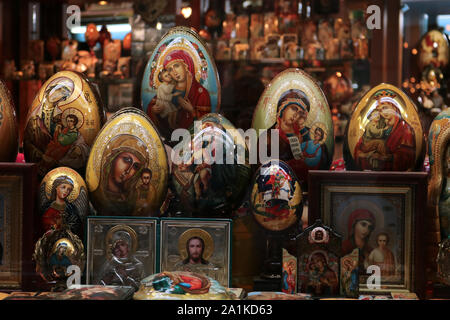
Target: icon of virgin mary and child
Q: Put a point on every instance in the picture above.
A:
(52, 135)
(302, 147)
(180, 98)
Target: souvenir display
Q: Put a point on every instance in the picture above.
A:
(318, 254)
(127, 169)
(276, 196)
(120, 251)
(270, 24)
(439, 181)
(63, 200)
(434, 49)
(289, 273)
(197, 245)
(338, 90)
(309, 32)
(91, 35)
(53, 47)
(55, 253)
(209, 177)
(8, 126)
(384, 132)
(104, 36)
(429, 97)
(181, 82)
(181, 285)
(111, 55)
(256, 25)
(379, 213)
(62, 123)
(272, 48)
(69, 50)
(295, 106)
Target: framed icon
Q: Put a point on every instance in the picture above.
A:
(197, 245)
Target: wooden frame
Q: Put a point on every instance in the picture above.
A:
(18, 186)
(397, 199)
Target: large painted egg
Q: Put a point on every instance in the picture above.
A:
(181, 82)
(434, 50)
(62, 123)
(276, 196)
(294, 106)
(8, 126)
(127, 171)
(210, 167)
(63, 200)
(384, 132)
(439, 155)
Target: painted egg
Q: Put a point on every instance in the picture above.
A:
(296, 110)
(439, 155)
(181, 82)
(54, 252)
(384, 132)
(127, 171)
(62, 123)
(276, 196)
(210, 167)
(63, 200)
(8, 126)
(434, 50)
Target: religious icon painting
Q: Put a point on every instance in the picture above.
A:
(63, 200)
(350, 274)
(127, 170)
(276, 197)
(384, 132)
(294, 106)
(62, 123)
(56, 253)
(318, 254)
(211, 170)
(8, 126)
(181, 82)
(120, 251)
(380, 214)
(288, 273)
(197, 245)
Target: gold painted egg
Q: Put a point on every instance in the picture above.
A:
(384, 132)
(63, 200)
(210, 167)
(8, 126)
(276, 197)
(127, 171)
(181, 82)
(294, 106)
(62, 123)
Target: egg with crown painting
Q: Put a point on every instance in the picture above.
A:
(384, 132)
(127, 171)
(62, 123)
